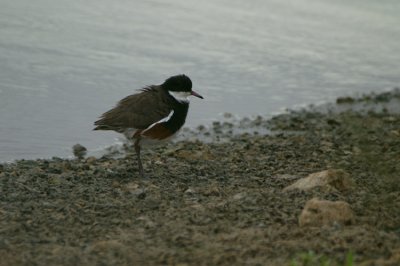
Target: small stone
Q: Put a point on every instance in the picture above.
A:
(390, 119)
(131, 186)
(333, 122)
(356, 150)
(55, 180)
(395, 132)
(66, 166)
(139, 193)
(189, 191)
(134, 189)
(323, 212)
(79, 151)
(115, 184)
(201, 128)
(228, 115)
(332, 178)
(239, 196)
(343, 100)
(216, 124)
(147, 221)
(91, 160)
(212, 190)
(327, 144)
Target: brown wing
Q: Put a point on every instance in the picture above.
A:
(136, 111)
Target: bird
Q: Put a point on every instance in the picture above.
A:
(155, 112)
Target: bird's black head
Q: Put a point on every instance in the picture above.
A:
(180, 87)
(178, 83)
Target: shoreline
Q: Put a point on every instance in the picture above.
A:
(221, 202)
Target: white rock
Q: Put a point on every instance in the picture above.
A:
(323, 212)
(189, 191)
(332, 178)
(239, 196)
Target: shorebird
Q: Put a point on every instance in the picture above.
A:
(156, 112)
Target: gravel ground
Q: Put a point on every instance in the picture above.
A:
(213, 203)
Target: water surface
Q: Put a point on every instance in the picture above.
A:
(63, 63)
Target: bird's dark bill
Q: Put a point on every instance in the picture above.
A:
(197, 95)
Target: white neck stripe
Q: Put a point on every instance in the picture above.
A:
(180, 96)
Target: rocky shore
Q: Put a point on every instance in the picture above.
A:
(325, 181)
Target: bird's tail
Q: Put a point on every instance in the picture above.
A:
(101, 126)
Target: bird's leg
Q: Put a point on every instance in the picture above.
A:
(137, 149)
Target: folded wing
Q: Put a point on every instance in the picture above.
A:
(137, 111)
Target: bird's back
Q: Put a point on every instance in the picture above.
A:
(137, 111)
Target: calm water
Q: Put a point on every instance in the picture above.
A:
(63, 63)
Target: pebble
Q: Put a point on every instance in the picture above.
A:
(79, 151)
